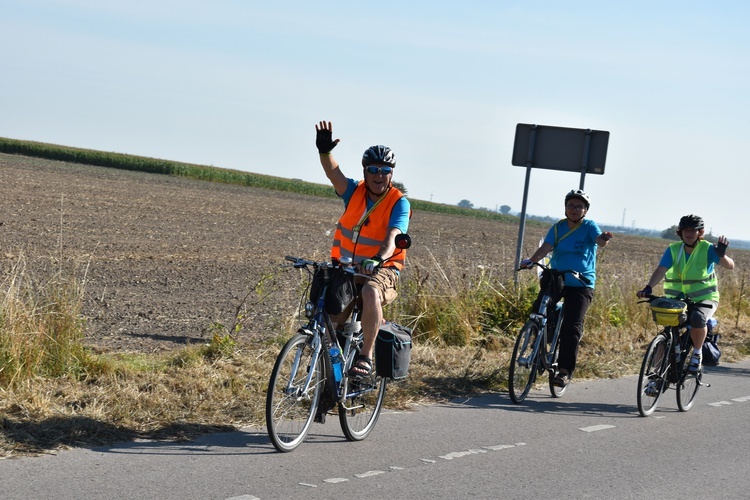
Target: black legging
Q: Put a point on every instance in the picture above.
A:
(577, 301)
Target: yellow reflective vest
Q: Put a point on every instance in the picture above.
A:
(690, 277)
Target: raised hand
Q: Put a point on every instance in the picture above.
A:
(324, 138)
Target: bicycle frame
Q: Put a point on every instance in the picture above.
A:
(529, 360)
(662, 369)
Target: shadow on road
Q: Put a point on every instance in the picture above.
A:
(540, 403)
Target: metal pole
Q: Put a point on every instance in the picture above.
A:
(585, 160)
(522, 222)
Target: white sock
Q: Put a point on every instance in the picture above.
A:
(696, 351)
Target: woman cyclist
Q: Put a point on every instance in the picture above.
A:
(573, 242)
(687, 268)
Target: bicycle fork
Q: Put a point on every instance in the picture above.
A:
(303, 391)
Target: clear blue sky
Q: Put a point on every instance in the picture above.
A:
(241, 84)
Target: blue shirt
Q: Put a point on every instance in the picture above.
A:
(576, 251)
(399, 215)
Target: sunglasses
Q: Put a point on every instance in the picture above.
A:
(378, 170)
(575, 207)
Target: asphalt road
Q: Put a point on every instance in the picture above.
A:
(590, 444)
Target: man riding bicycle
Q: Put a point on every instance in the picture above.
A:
(573, 242)
(375, 212)
(688, 267)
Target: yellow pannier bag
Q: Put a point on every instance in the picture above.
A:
(669, 312)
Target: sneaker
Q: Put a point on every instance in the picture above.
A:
(560, 380)
(695, 363)
(652, 389)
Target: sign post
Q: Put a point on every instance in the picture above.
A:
(556, 148)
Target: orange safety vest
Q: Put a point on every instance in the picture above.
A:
(365, 243)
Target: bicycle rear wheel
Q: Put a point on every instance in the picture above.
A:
(651, 381)
(688, 384)
(523, 364)
(360, 408)
(290, 404)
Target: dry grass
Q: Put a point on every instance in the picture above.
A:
(466, 316)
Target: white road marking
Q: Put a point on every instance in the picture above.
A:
(502, 446)
(595, 428)
(459, 454)
(308, 485)
(720, 403)
(427, 460)
(742, 400)
(370, 473)
(335, 480)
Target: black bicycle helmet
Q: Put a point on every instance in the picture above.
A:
(692, 221)
(379, 155)
(578, 193)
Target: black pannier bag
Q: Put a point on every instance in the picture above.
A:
(711, 351)
(340, 293)
(393, 351)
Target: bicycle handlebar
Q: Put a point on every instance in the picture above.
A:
(651, 297)
(577, 275)
(299, 263)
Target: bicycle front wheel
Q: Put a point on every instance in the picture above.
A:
(555, 390)
(290, 401)
(360, 408)
(651, 381)
(688, 383)
(523, 364)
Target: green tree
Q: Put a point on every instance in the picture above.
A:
(400, 186)
(670, 233)
(504, 209)
(465, 204)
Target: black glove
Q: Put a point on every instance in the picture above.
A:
(646, 290)
(721, 249)
(324, 141)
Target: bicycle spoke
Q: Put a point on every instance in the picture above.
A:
(651, 381)
(523, 364)
(360, 408)
(290, 400)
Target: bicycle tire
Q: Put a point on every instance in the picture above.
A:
(360, 408)
(556, 391)
(688, 383)
(651, 380)
(523, 364)
(289, 410)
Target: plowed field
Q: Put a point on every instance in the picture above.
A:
(166, 258)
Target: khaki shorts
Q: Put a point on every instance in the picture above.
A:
(383, 280)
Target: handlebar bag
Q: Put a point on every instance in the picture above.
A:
(393, 351)
(669, 312)
(340, 292)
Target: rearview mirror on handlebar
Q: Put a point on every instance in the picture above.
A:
(403, 241)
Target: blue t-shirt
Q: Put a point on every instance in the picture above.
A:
(399, 215)
(576, 251)
(667, 261)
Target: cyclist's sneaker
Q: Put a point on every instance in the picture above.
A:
(695, 363)
(652, 389)
(560, 380)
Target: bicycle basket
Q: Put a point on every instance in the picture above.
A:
(668, 312)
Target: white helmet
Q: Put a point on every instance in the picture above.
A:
(581, 195)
